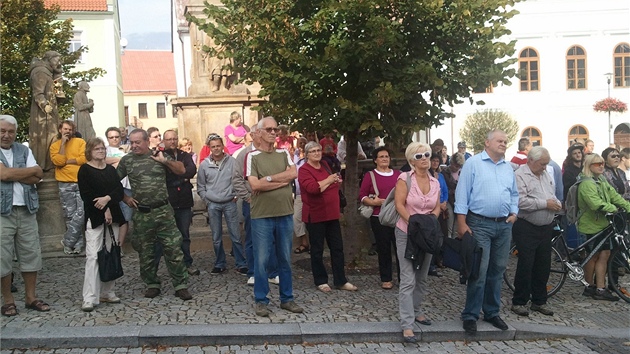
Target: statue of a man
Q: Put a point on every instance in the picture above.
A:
(82, 109)
(46, 88)
(220, 73)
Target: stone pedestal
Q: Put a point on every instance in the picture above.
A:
(50, 218)
(199, 116)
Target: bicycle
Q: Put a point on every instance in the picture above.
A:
(566, 261)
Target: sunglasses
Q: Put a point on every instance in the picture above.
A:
(615, 156)
(420, 155)
(269, 130)
(597, 164)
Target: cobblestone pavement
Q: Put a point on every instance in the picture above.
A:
(531, 347)
(225, 298)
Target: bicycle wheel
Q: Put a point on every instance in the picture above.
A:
(557, 273)
(619, 272)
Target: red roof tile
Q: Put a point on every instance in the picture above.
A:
(78, 5)
(148, 71)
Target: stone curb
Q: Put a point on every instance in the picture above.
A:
(288, 333)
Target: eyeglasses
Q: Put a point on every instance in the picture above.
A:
(420, 155)
(114, 137)
(315, 151)
(597, 164)
(615, 156)
(269, 130)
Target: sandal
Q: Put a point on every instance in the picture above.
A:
(325, 288)
(348, 287)
(387, 285)
(301, 249)
(38, 305)
(9, 310)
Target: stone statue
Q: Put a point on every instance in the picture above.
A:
(82, 109)
(220, 74)
(46, 88)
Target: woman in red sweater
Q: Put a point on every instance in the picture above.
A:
(320, 211)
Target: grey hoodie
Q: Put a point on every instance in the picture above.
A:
(214, 182)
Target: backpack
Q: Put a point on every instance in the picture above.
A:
(571, 202)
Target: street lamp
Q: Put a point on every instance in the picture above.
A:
(608, 79)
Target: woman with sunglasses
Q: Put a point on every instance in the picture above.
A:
(101, 193)
(319, 188)
(423, 197)
(615, 175)
(596, 197)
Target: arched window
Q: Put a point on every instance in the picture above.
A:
(577, 132)
(576, 68)
(622, 65)
(529, 70)
(533, 134)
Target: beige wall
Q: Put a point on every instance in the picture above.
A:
(132, 101)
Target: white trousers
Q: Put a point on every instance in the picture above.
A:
(93, 287)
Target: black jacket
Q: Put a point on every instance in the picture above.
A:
(469, 256)
(179, 187)
(424, 235)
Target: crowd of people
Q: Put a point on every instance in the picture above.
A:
(283, 185)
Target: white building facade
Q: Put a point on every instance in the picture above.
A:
(565, 49)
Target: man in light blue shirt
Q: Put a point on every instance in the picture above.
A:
(486, 204)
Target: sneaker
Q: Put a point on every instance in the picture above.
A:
(544, 309)
(76, 250)
(183, 294)
(66, 249)
(275, 280)
(262, 310)
(87, 306)
(152, 292)
(193, 271)
(112, 300)
(604, 294)
(589, 291)
(291, 306)
(521, 310)
(250, 281)
(216, 271)
(242, 271)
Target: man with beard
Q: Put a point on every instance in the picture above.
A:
(45, 79)
(68, 154)
(572, 166)
(180, 196)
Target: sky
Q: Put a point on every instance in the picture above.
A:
(146, 24)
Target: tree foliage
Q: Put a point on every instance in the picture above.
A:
(28, 29)
(391, 66)
(478, 125)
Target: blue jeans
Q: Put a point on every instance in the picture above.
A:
(267, 233)
(216, 211)
(272, 267)
(484, 293)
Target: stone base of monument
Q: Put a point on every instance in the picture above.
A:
(50, 218)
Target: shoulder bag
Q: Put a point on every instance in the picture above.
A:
(367, 210)
(389, 215)
(109, 262)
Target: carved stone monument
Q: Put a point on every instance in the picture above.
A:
(82, 109)
(46, 88)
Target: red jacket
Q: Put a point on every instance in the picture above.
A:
(317, 206)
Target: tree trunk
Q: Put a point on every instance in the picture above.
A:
(355, 229)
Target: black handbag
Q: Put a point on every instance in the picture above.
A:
(109, 262)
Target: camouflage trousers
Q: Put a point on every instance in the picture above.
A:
(73, 211)
(159, 226)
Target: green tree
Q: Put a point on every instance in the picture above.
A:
(478, 125)
(393, 66)
(28, 29)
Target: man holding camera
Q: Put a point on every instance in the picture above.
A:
(154, 218)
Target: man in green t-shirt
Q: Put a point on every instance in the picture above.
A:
(154, 219)
(270, 172)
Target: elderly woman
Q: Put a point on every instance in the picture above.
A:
(596, 197)
(615, 175)
(382, 179)
(101, 193)
(320, 211)
(423, 197)
(234, 133)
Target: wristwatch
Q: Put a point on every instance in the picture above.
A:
(268, 178)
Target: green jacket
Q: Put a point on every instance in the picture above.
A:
(596, 197)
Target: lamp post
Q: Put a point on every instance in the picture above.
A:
(608, 79)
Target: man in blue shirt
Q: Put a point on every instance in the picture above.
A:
(486, 204)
